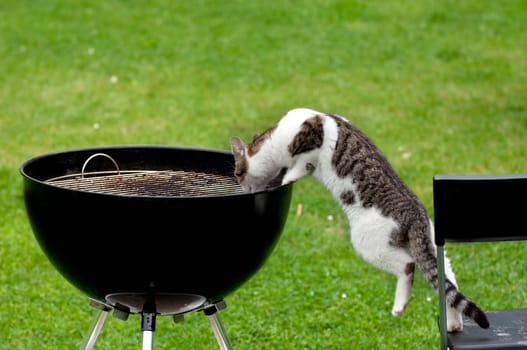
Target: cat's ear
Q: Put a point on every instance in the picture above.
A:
(238, 148)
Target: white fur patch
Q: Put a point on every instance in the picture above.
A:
(371, 235)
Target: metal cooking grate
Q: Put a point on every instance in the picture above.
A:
(166, 183)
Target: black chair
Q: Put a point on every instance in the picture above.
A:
(480, 209)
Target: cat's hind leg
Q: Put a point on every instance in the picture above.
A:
(454, 318)
(402, 289)
(371, 237)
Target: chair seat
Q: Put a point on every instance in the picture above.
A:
(508, 331)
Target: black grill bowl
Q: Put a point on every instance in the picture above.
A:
(105, 243)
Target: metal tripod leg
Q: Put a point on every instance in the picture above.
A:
(217, 327)
(148, 325)
(97, 323)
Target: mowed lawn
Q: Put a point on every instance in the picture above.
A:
(439, 86)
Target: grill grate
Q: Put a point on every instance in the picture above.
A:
(166, 183)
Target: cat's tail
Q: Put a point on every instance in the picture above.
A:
(427, 263)
(458, 301)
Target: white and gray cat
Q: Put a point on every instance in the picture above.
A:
(390, 228)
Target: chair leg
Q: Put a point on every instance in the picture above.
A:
(441, 296)
(217, 327)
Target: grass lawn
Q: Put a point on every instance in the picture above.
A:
(440, 86)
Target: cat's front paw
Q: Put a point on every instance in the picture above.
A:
(398, 310)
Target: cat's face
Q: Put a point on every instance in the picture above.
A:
(253, 170)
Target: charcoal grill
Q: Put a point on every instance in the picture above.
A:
(151, 230)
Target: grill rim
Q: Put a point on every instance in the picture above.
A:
(33, 162)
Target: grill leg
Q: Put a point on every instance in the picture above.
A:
(217, 327)
(148, 340)
(148, 325)
(96, 326)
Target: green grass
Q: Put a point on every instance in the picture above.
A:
(440, 86)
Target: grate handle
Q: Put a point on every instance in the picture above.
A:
(99, 155)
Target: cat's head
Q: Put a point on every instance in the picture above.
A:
(280, 155)
(254, 168)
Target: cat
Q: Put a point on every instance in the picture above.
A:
(389, 226)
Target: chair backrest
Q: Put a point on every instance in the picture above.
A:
(480, 208)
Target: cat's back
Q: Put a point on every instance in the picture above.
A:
(355, 154)
(375, 181)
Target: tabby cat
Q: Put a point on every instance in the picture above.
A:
(390, 227)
